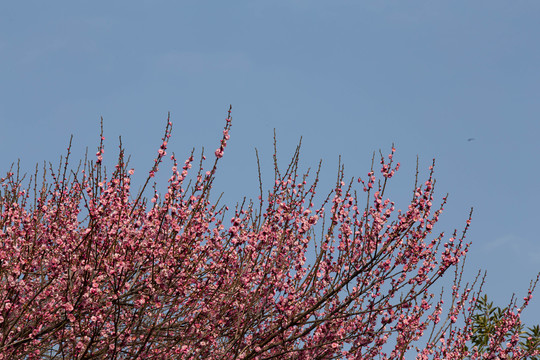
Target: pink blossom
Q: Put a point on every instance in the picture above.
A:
(95, 270)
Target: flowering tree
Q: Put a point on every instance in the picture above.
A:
(89, 271)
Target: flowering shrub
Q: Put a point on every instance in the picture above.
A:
(89, 271)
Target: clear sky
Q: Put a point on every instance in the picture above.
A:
(351, 77)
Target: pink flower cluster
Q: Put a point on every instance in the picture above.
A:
(178, 281)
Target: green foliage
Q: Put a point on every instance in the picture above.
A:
(488, 317)
(531, 340)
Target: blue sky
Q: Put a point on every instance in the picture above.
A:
(351, 77)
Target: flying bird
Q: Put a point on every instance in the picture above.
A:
(471, 139)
